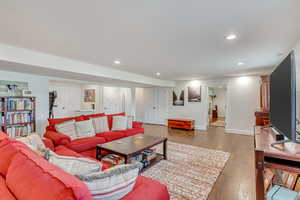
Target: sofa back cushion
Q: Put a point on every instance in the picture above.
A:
(110, 118)
(85, 129)
(68, 128)
(30, 176)
(7, 152)
(100, 124)
(86, 117)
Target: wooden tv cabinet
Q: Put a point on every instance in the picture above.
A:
(285, 157)
(187, 124)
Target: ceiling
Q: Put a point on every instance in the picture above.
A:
(179, 39)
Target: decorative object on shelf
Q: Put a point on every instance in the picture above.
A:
(194, 93)
(17, 115)
(12, 88)
(26, 93)
(89, 95)
(178, 97)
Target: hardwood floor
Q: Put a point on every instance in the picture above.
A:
(237, 181)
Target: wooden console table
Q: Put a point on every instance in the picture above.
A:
(284, 157)
(187, 124)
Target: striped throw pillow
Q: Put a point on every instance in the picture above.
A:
(67, 128)
(85, 129)
(100, 124)
(119, 123)
(111, 184)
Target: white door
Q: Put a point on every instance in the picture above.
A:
(155, 105)
(113, 100)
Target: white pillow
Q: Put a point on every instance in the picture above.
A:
(119, 123)
(113, 183)
(85, 129)
(33, 141)
(100, 124)
(129, 122)
(74, 165)
(67, 128)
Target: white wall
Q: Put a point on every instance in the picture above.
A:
(39, 86)
(242, 101)
(220, 101)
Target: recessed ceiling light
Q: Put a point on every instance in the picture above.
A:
(117, 62)
(157, 74)
(240, 63)
(231, 37)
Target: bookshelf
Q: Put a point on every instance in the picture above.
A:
(17, 115)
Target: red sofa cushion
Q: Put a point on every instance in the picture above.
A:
(3, 135)
(52, 122)
(110, 136)
(7, 152)
(133, 131)
(136, 124)
(148, 189)
(48, 143)
(57, 138)
(87, 117)
(30, 177)
(84, 144)
(4, 191)
(110, 118)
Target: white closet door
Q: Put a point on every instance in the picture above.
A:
(162, 106)
(113, 100)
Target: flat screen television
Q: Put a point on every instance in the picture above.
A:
(283, 98)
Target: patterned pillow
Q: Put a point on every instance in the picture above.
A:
(119, 123)
(33, 141)
(113, 183)
(73, 165)
(85, 129)
(67, 128)
(100, 124)
(129, 122)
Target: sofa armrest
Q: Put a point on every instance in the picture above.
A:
(57, 138)
(136, 124)
(48, 143)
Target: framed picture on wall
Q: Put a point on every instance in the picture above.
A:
(194, 93)
(89, 95)
(178, 97)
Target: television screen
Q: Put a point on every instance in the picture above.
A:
(283, 98)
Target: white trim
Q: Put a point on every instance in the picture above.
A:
(242, 132)
(201, 127)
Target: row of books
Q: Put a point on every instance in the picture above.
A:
(19, 131)
(1, 105)
(13, 118)
(144, 158)
(19, 104)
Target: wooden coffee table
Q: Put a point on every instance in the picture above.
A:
(129, 146)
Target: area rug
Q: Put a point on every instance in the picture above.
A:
(189, 172)
(219, 123)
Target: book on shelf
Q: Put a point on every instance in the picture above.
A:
(19, 131)
(14, 118)
(19, 104)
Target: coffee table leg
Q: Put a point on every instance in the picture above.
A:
(126, 159)
(98, 153)
(165, 149)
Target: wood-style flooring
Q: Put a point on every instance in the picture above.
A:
(237, 181)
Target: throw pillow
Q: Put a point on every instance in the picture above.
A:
(129, 122)
(85, 129)
(100, 124)
(113, 183)
(73, 165)
(119, 123)
(67, 128)
(34, 141)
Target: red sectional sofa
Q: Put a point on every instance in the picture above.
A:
(27, 176)
(87, 146)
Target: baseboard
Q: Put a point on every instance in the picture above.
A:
(201, 127)
(242, 132)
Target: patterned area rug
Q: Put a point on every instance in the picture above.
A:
(190, 172)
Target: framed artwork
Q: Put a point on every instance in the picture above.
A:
(89, 95)
(194, 93)
(178, 97)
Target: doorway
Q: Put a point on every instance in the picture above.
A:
(217, 105)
